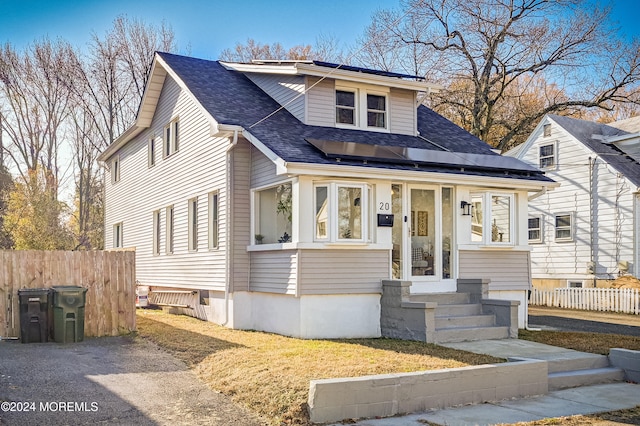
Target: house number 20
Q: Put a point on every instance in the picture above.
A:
(384, 206)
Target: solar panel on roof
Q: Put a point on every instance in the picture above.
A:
(397, 154)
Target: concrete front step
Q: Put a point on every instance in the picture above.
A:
(576, 378)
(465, 321)
(578, 361)
(442, 298)
(460, 310)
(462, 334)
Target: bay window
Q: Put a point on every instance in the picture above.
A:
(274, 214)
(341, 212)
(492, 218)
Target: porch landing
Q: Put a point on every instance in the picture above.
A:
(466, 315)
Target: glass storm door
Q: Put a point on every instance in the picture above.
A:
(423, 232)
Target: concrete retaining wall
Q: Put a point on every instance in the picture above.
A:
(627, 360)
(332, 400)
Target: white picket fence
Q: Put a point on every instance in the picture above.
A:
(626, 300)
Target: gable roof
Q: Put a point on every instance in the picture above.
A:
(231, 98)
(591, 134)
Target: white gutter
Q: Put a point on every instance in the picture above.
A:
(537, 194)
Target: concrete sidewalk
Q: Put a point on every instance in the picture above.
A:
(560, 403)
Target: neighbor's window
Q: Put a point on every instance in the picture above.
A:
(546, 130)
(376, 111)
(156, 232)
(169, 219)
(274, 214)
(574, 284)
(193, 224)
(117, 235)
(115, 169)
(341, 211)
(151, 152)
(345, 107)
(547, 156)
(213, 220)
(535, 229)
(564, 227)
(492, 218)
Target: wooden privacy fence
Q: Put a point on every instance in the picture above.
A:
(109, 277)
(626, 300)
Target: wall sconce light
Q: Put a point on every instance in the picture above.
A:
(466, 208)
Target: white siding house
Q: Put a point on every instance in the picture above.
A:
(586, 229)
(282, 195)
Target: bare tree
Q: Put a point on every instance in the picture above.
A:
(34, 99)
(326, 49)
(495, 50)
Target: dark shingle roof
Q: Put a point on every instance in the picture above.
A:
(231, 98)
(584, 131)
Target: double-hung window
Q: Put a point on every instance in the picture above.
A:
(345, 107)
(117, 235)
(169, 231)
(564, 227)
(115, 169)
(193, 224)
(535, 229)
(171, 135)
(151, 152)
(376, 111)
(547, 156)
(213, 220)
(364, 107)
(341, 212)
(156, 232)
(492, 218)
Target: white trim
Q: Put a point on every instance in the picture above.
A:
(337, 73)
(413, 176)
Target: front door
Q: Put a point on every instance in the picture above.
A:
(423, 238)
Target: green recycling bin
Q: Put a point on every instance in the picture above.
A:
(34, 315)
(68, 313)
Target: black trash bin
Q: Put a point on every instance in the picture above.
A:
(34, 315)
(68, 313)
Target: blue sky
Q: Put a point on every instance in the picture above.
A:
(206, 27)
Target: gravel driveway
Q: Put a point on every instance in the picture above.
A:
(109, 380)
(589, 321)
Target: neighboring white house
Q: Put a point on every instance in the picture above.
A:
(283, 192)
(585, 230)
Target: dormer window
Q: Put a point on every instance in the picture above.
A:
(376, 111)
(364, 107)
(345, 107)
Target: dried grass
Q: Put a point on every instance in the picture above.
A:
(270, 373)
